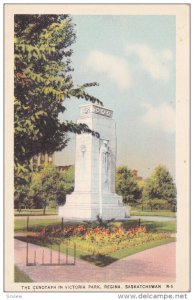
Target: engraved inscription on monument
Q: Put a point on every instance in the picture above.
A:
(87, 109)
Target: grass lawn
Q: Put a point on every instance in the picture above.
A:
(152, 226)
(35, 212)
(167, 227)
(104, 260)
(20, 276)
(20, 224)
(157, 213)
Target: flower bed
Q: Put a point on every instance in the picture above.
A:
(96, 240)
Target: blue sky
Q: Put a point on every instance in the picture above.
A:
(133, 60)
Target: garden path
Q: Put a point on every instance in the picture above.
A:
(153, 265)
(153, 218)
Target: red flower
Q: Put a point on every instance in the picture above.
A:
(43, 231)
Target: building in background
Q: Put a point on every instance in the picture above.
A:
(135, 176)
(42, 159)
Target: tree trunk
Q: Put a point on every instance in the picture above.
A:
(44, 210)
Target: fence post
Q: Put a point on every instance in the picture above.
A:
(62, 224)
(27, 223)
(43, 256)
(51, 255)
(66, 252)
(35, 257)
(139, 222)
(27, 254)
(59, 255)
(74, 253)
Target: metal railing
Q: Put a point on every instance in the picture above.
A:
(60, 261)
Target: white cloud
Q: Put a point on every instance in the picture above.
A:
(161, 117)
(155, 62)
(114, 67)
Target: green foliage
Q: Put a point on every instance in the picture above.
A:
(22, 179)
(160, 190)
(50, 186)
(127, 186)
(21, 199)
(42, 84)
(43, 187)
(65, 186)
(35, 212)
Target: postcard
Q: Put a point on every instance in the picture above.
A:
(97, 143)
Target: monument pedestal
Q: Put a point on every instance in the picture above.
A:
(95, 162)
(87, 206)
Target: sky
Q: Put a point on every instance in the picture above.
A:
(133, 60)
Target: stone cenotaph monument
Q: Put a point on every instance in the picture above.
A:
(95, 161)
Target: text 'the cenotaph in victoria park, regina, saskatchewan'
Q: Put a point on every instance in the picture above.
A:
(95, 162)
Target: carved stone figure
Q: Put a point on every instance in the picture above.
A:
(106, 166)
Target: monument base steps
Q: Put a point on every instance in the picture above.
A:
(88, 206)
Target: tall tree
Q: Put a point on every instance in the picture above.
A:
(21, 192)
(42, 83)
(65, 185)
(160, 188)
(127, 186)
(50, 186)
